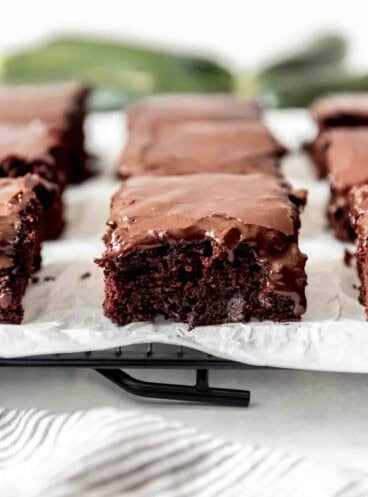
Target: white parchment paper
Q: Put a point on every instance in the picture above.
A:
(63, 309)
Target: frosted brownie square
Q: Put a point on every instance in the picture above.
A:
(37, 148)
(21, 232)
(239, 147)
(204, 249)
(346, 110)
(61, 105)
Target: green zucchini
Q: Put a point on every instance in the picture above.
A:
(299, 90)
(325, 50)
(120, 72)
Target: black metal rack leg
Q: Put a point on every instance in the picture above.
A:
(200, 392)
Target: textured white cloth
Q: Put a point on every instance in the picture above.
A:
(110, 452)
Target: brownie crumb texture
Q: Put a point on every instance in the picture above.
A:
(85, 275)
(198, 283)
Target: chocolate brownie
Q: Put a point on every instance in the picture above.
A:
(317, 150)
(198, 147)
(61, 105)
(36, 148)
(21, 226)
(346, 162)
(341, 109)
(155, 111)
(359, 222)
(204, 249)
(336, 110)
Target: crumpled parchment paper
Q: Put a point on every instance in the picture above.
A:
(63, 308)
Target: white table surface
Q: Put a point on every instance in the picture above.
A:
(320, 415)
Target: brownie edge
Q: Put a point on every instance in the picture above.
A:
(60, 105)
(21, 232)
(346, 165)
(232, 146)
(359, 222)
(36, 148)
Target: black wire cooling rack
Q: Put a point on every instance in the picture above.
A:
(110, 364)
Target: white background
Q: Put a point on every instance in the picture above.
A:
(244, 32)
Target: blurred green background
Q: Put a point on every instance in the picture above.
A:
(122, 72)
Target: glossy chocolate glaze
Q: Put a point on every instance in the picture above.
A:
(54, 104)
(346, 156)
(233, 146)
(15, 195)
(30, 142)
(175, 108)
(200, 203)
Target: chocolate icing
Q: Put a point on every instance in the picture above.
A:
(343, 157)
(208, 146)
(60, 105)
(21, 224)
(346, 156)
(55, 104)
(175, 108)
(229, 208)
(15, 195)
(341, 109)
(28, 142)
